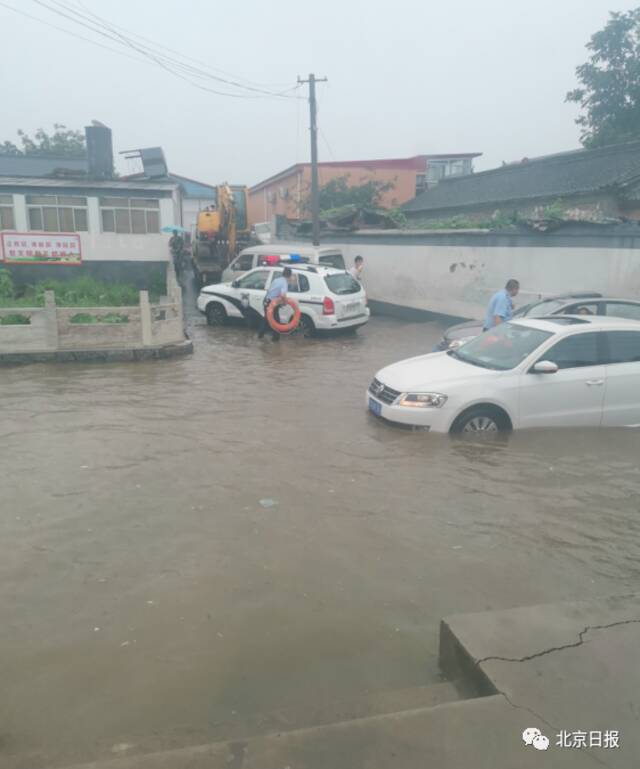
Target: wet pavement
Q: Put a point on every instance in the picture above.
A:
(152, 596)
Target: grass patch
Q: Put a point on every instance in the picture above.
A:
(81, 292)
(85, 317)
(15, 319)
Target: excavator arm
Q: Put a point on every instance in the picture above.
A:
(227, 206)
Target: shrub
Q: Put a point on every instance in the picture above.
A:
(7, 289)
(112, 317)
(15, 319)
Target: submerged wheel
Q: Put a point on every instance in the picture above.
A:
(305, 327)
(216, 314)
(481, 419)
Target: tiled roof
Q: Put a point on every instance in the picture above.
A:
(580, 171)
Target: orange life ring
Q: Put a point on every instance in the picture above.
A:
(283, 328)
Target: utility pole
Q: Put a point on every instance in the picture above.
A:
(315, 203)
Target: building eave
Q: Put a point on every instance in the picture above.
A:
(22, 182)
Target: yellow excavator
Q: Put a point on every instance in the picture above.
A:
(221, 231)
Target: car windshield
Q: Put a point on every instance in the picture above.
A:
(342, 283)
(501, 348)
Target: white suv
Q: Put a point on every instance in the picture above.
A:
(329, 299)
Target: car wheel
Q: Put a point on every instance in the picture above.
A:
(305, 327)
(216, 314)
(481, 419)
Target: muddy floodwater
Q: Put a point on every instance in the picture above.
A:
(189, 546)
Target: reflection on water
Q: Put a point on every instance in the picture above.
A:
(141, 577)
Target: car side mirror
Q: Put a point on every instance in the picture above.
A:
(545, 367)
(234, 284)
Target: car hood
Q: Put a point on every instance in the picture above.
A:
(213, 287)
(429, 372)
(462, 330)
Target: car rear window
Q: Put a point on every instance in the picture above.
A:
(332, 260)
(342, 283)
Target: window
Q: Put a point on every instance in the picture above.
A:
(576, 351)
(435, 172)
(57, 213)
(582, 308)
(332, 260)
(137, 216)
(623, 310)
(243, 263)
(303, 284)
(298, 283)
(256, 280)
(7, 222)
(421, 183)
(624, 346)
(343, 284)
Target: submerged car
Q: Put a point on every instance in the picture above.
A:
(563, 304)
(547, 372)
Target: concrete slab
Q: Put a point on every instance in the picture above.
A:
(576, 666)
(476, 734)
(562, 667)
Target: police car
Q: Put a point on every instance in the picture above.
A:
(329, 299)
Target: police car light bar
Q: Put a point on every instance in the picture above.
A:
(274, 259)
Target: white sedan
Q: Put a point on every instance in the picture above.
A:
(555, 371)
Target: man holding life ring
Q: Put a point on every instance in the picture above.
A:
(277, 293)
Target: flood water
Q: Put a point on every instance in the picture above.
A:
(188, 544)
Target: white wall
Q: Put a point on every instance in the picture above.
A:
(109, 246)
(190, 209)
(459, 280)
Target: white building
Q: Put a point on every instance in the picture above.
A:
(111, 229)
(195, 196)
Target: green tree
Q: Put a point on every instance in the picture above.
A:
(609, 93)
(338, 192)
(63, 142)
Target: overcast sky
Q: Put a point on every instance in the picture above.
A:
(409, 77)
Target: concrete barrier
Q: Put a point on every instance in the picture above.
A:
(57, 330)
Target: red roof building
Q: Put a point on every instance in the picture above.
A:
(287, 192)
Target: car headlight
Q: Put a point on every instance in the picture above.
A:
(422, 400)
(459, 342)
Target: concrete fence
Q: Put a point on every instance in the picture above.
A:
(52, 329)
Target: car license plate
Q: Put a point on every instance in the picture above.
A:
(375, 407)
(352, 309)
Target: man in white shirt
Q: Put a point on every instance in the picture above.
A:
(357, 269)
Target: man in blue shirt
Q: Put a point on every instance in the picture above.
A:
(277, 293)
(500, 308)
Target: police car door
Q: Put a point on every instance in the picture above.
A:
(252, 289)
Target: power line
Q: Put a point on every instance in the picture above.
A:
(158, 49)
(80, 5)
(326, 141)
(105, 47)
(168, 63)
(142, 52)
(70, 32)
(321, 132)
